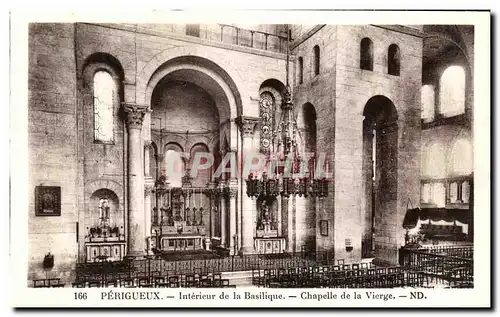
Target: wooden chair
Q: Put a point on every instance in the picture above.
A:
(111, 283)
(257, 279)
(161, 282)
(78, 284)
(40, 283)
(190, 281)
(95, 284)
(127, 282)
(173, 281)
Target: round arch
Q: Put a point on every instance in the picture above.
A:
(380, 108)
(210, 60)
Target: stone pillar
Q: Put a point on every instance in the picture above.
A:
(300, 223)
(232, 193)
(278, 217)
(223, 219)
(147, 148)
(247, 127)
(148, 191)
(136, 231)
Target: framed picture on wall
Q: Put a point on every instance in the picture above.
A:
(323, 227)
(47, 201)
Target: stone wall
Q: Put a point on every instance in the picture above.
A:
(63, 58)
(52, 144)
(319, 91)
(354, 87)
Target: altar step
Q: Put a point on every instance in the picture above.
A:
(240, 279)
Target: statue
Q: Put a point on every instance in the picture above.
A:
(104, 211)
(266, 216)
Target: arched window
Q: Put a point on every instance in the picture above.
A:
(200, 156)
(104, 92)
(316, 60)
(428, 102)
(438, 194)
(174, 167)
(452, 91)
(266, 106)
(434, 161)
(393, 60)
(301, 70)
(461, 157)
(366, 54)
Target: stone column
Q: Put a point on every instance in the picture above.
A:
(279, 225)
(232, 193)
(136, 231)
(148, 190)
(223, 217)
(247, 127)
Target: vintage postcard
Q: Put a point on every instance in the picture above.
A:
(250, 159)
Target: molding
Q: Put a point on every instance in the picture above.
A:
(460, 120)
(190, 39)
(247, 125)
(401, 29)
(306, 36)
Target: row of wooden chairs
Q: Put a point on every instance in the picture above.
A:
(332, 277)
(172, 281)
(47, 283)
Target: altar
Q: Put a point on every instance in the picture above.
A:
(268, 245)
(181, 242)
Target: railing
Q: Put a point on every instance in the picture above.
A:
(229, 34)
(457, 271)
(163, 267)
(233, 263)
(450, 250)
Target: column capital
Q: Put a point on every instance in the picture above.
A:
(135, 114)
(247, 125)
(231, 192)
(148, 189)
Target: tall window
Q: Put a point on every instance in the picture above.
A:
(393, 60)
(316, 60)
(174, 167)
(434, 161)
(266, 110)
(428, 102)
(104, 92)
(366, 54)
(452, 91)
(193, 30)
(461, 157)
(301, 70)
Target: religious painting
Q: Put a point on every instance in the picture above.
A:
(48, 201)
(323, 227)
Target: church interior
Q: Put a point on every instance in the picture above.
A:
(140, 134)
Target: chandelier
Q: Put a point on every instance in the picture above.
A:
(292, 176)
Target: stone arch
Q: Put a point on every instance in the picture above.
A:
(200, 57)
(114, 189)
(432, 165)
(276, 89)
(107, 62)
(93, 185)
(380, 174)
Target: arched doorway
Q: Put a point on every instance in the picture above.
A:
(192, 103)
(380, 162)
